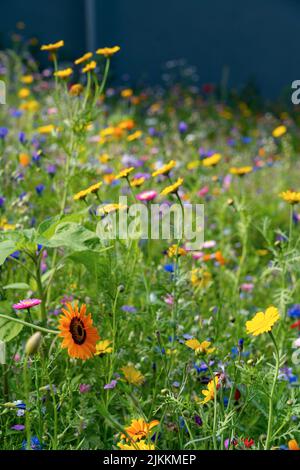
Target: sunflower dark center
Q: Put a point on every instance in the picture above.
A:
(77, 331)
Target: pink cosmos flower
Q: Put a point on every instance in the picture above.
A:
(146, 195)
(169, 299)
(247, 287)
(26, 304)
(84, 388)
(203, 191)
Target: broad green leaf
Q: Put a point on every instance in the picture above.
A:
(17, 285)
(9, 329)
(7, 247)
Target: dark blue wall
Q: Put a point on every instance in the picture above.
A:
(254, 38)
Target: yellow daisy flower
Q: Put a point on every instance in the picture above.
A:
(165, 169)
(213, 160)
(90, 66)
(200, 278)
(108, 51)
(53, 47)
(133, 375)
(263, 321)
(46, 129)
(27, 79)
(103, 347)
(76, 89)
(140, 445)
(176, 250)
(200, 348)
(23, 93)
(209, 393)
(241, 171)
(137, 182)
(83, 58)
(108, 208)
(172, 188)
(279, 131)
(65, 73)
(292, 197)
(124, 173)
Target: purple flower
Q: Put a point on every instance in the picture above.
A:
(22, 137)
(2, 201)
(84, 388)
(111, 385)
(128, 309)
(182, 127)
(18, 427)
(198, 420)
(51, 170)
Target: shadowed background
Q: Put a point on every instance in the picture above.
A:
(257, 39)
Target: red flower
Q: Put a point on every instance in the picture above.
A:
(248, 443)
(237, 394)
(296, 324)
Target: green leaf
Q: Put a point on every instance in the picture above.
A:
(9, 329)
(73, 236)
(17, 285)
(6, 249)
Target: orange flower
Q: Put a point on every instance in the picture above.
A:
(139, 429)
(24, 159)
(80, 336)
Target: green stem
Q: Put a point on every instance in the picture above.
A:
(270, 418)
(106, 70)
(30, 325)
(27, 415)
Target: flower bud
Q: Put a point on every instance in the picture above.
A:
(33, 344)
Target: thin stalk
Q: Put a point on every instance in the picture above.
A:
(30, 325)
(270, 418)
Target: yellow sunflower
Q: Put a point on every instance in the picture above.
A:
(80, 336)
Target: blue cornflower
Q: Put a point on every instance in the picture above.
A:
(294, 311)
(34, 444)
(3, 132)
(39, 189)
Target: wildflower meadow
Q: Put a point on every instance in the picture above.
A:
(118, 340)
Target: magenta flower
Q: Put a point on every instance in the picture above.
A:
(26, 304)
(147, 195)
(84, 388)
